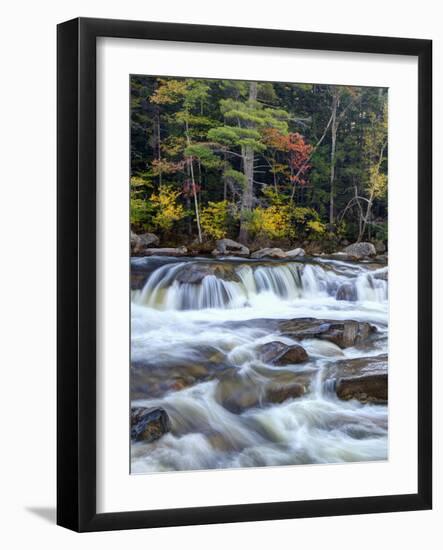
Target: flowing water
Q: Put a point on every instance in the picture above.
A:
(195, 352)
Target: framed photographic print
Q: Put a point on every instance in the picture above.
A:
(244, 274)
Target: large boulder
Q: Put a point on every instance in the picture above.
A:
(135, 242)
(361, 378)
(369, 388)
(296, 252)
(342, 333)
(179, 251)
(278, 353)
(360, 251)
(143, 241)
(149, 424)
(228, 247)
(268, 253)
(346, 291)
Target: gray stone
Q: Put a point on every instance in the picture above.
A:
(360, 251)
(228, 247)
(295, 252)
(269, 253)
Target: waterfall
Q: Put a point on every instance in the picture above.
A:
(287, 281)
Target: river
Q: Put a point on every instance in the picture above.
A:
(197, 330)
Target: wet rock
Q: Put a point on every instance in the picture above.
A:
(295, 252)
(238, 392)
(228, 247)
(360, 251)
(149, 424)
(369, 388)
(382, 274)
(269, 253)
(281, 354)
(279, 394)
(195, 273)
(346, 291)
(154, 378)
(362, 378)
(180, 251)
(343, 333)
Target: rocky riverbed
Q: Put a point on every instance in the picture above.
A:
(261, 361)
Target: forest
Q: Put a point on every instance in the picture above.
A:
(266, 164)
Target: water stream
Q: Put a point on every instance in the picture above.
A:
(197, 327)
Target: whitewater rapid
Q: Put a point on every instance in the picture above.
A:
(185, 337)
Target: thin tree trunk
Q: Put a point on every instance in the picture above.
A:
(248, 170)
(159, 146)
(194, 192)
(334, 128)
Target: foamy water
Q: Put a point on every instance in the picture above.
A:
(180, 328)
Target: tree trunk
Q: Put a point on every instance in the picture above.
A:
(334, 128)
(248, 170)
(194, 191)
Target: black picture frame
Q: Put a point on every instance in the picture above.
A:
(76, 265)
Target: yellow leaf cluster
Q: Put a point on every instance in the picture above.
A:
(168, 210)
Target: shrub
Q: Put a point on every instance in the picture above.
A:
(214, 219)
(167, 209)
(273, 222)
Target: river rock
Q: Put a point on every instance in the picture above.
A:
(281, 354)
(360, 251)
(380, 247)
(369, 388)
(343, 333)
(361, 378)
(152, 379)
(346, 291)
(238, 392)
(140, 242)
(135, 241)
(268, 253)
(295, 252)
(228, 247)
(149, 424)
(382, 274)
(194, 273)
(180, 251)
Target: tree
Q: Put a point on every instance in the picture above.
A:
(244, 118)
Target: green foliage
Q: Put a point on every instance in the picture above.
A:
(218, 128)
(203, 154)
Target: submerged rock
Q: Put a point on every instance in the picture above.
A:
(194, 273)
(281, 354)
(360, 251)
(269, 253)
(239, 392)
(149, 424)
(343, 333)
(346, 291)
(228, 247)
